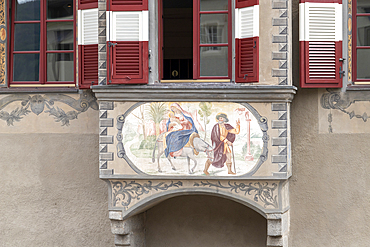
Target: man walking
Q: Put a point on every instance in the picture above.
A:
(222, 136)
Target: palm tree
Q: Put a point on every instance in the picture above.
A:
(204, 113)
(156, 112)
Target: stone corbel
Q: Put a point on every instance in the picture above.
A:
(129, 232)
(278, 229)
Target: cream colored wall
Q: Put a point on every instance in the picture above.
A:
(204, 221)
(266, 64)
(329, 189)
(50, 193)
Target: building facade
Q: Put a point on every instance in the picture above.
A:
(184, 123)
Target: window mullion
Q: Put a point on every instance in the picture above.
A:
(43, 68)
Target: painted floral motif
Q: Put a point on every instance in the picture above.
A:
(38, 104)
(262, 191)
(124, 192)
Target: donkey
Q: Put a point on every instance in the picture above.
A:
(188, 152)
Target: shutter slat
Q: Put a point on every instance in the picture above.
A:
(247, 62)
(87, 4)
(88, 69)
(320, 43)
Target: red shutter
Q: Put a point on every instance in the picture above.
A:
(247, 42)
(88, 43)
(87, 4)
(128, 43)
(128, 65)
(247, 60)
(321, 44)
(127, 5)
(88, 65)
(245, 3)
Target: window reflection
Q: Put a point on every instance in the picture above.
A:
(213, 5)
(60, 36)
(26, 67)
(213, 28)
(27, 10)
(59, 9)
(60, 67)
(214, 61)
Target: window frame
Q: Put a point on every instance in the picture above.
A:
(42, 82)
(355, 47)
(197, 44)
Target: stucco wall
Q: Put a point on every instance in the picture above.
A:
(205, 221)
(50, 191)
(329, 187)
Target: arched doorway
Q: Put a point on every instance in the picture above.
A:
(207, 221)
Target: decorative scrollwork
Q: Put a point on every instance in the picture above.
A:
(124, 192)
(38, 103)
(262, 191)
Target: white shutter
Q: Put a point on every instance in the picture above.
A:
(128, 26)
(247, 22)
(88, 26)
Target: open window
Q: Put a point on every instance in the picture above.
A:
(195, 40)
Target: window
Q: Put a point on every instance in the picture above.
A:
(320, 36)
(361, 40)
(42, 43)
(195, 40)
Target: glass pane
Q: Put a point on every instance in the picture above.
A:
(27, 10)
(60, 35)
(60, 67)
(211, 5)
(26, 67)
(213, 28)
(363, 6)
(363, 31)
(27, 37)
(60, 9)
(214, 61)
(363, 61)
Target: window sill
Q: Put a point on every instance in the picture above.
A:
(36, 89)
(359, 86)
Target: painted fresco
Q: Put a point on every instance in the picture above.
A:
(197, 138)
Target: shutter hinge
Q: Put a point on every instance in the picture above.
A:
(150, 69)
(110, 44)
(341, 72)
(255, 44)
(341, 59)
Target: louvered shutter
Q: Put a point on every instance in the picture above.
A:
(128, 42)
(88, 44)
(246, 41)
(320, 39)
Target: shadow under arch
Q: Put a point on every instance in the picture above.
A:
(203, 220)
(150, 201)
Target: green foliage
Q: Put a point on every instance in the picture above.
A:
(205, 111)
(156, 111)
(148, 143)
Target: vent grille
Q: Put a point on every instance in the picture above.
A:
(322, 62)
